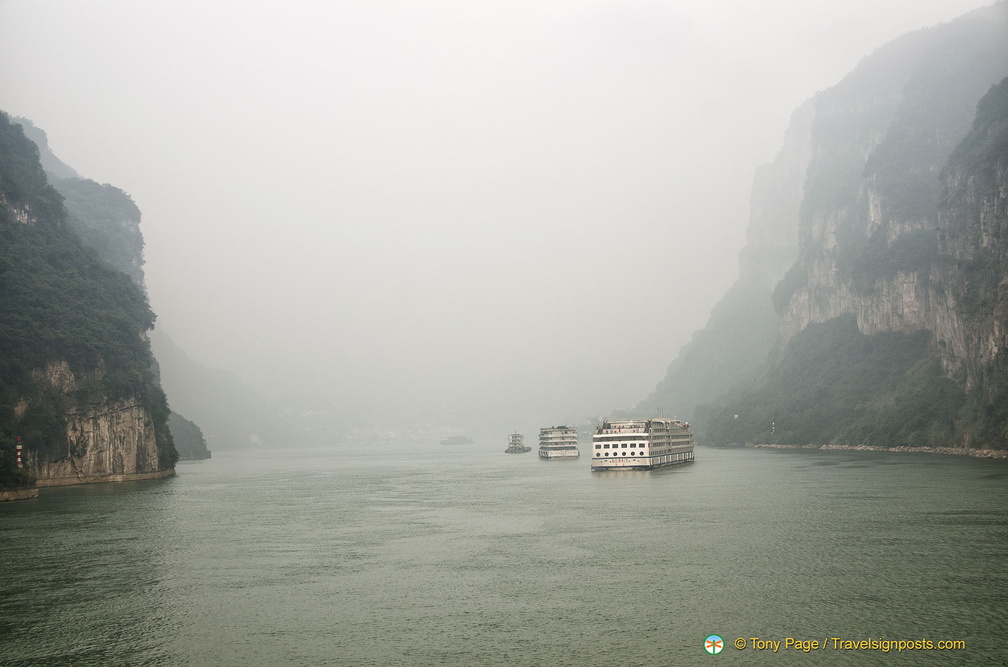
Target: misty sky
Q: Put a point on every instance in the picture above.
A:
(506, 210)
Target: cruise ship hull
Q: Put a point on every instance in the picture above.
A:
(555, 454)
(642, 462)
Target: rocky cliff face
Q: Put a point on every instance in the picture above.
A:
(110, 442)
(104, 441)
(775, 202)
(970, 274)
(870, 224)
(882, 231)
(743, 327)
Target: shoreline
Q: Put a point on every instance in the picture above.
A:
(9, 495)
(948, 451)
(99, 479)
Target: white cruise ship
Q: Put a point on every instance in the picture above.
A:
(638, 444)
(558, 442)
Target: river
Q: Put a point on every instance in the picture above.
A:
(410, 554)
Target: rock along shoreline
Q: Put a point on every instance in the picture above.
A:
(948, 451)
(26, 493)
(30, 492)
(98, 479)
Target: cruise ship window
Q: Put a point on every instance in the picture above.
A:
(607, 446)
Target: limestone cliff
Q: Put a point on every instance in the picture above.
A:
(869, 221)
(104, 441)
(108, 442)
(969, 278)
(75, 362)
(888, 203)
(772, 236)
(743, 326)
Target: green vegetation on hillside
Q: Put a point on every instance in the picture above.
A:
(107, 220)
(188, 438)
(60, 303)
(11, 477)
(740, 333)
(23, 183)
(987, 143)
(833, 384)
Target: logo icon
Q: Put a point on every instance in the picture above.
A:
(714, 644)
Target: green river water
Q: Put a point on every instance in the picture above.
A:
(408, 554)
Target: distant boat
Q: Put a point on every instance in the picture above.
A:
(456, 440)
(558, 442)
(516, 444)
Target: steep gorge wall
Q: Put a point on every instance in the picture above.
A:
(970, 276)
(105, 441)
(870, 220)
(75, 361)
(890, 313)
(775, 202)
(743, 328)
(107, 220)
(113, 442)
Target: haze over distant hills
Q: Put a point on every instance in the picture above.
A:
(868, 308)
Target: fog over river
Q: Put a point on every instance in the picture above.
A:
(511, 211)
